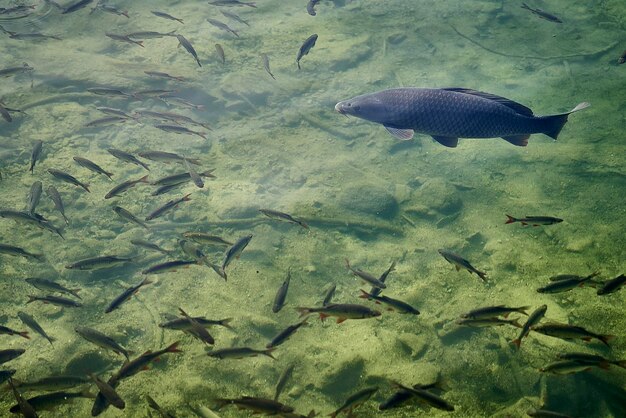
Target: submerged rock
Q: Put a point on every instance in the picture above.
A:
(439, 195)
(369, 200)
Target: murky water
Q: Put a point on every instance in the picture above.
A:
(365, 195)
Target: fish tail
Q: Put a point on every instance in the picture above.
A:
(268, 352)
(226, 323)
(303, 311)
(482, 275)
(525, 6)
(24, 334)
(517, 342)
(31, 299)
(605, 339)
(364, 294)
(554, 124)
(620, 363)
(510, 219)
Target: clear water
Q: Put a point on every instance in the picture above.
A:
(279, 144)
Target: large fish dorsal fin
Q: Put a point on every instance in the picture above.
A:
(519, 108)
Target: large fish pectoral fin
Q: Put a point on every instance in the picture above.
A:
(447, 141)
(519, 140)
(402, 134)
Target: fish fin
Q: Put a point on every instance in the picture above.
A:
(510, 219)
(517, 342)
(482, 275)
(323, 316)
(458, 268)
(341, 319)
(173, 348)
(364, 294)
(606, 338)
(268, 352)
(403, 134)
(519, 140)
(24, 334)
(519, 108)
(447, 141)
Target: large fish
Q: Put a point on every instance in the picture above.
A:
(452, 113)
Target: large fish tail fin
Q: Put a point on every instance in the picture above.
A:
(554, 124)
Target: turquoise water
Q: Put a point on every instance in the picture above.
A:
(367, 197)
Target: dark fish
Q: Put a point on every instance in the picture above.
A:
(282, 381)
(107, 91)
(167, 157)
(427, 397)
(164, 75)
(281, 295)
(68, 178)
(570, 332)
(23, 406)
(222, 26)
(180, 101)
(187, 45)
(306, 47)
(612, 285)
(179, 130)
(32, 36)
(310, 7)
(110, 9)
(35, 219)
(266, 65)
(34, 196)
(203, 238)
(168, 266)
(181, 178)
(592, 359)
(329, 295)
(274, 214)
(486, 322)
(233, 252)
(125, 214)
(452, 113)
(532, 320)
(126, 295)
(534, 220)
(459, 262)
(232, 3)
(31, 323)
(542, 14)
(220, 53)
(96, 263)
(76, 6)
(55, 196)
(50, 401)
(234, 17)
(127, 157)
(133, 367)
(195, 177)
(55, 300)
(8, 331)
(101, 340)
(375, 291)
(5, 114)
(167, 207)
(354, 401)
(282, 336)
(109, 120)
(366, 276)
(167, 188)
(35, 154)
(565, 367)
(394, 304)
(123, 38)
(108, 392)
(6, 375)
(51, 383)
(166, 16)
(17, 251)
(197, 329)
(341, 311)
(182, 324)
(7, 72)
(563, 285)
(50, 286)
(494, 311)
(10, 354)
(240, 352)
(150, 34)
(121, 188)
(90, 165)
(149, 245)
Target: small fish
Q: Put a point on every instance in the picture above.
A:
(167, 188)
(427, 397)
(140, 363)
(233, 252)
(180, 101)
(126, 294)
(222, 26)
(532, 320)
(459, 262)
(592, 359)
(182, 324)
(142, 94)
(565, 367)
(220, 53)
(266, 65)
(191, 250)
(310, 7)
(542, 14)
(329, 295)
(181, 178)
(10, 354)
(97, 263)
(232, 3)
(354, 401)
(565, 284)
(108, 91)
(17, 251)
(534, 220)
(108, 392)
(375, 291)
(486, 322)
(306, 47)
(195, 177)
(51, 401)
(36, 219)
(101, 340)
(612, 285)
(234, 17)
(90, 165)
(240, 352)
(68, 178)
(179, 130)
(394, 304)
(5, 113)
(31, 323)
(55, 196)
(125, 214)
(110, 9)
(274, 214)
(282, 380)
(167, 157)
(198, 330)
(164, 75)
(123, 38)
(114, 112)
(168, 266)
(109, 120)
(282, 336)
(33, 36)
(150, 34)
(34, 155)
(23, 406)
(121, 188)
(494, 311)
(76, 6)
(570, 332)
(341, 311)
(281, 294)
(157, 213)
(127, 157)
(166, 16)
(367, 277)
(55, 300)
(203, 238)
(34, 196)
(150, 246)
(50, 286)
(8, 331)
(51, 383)
(7, 72)
(187, 45)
